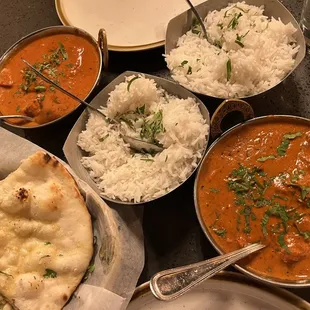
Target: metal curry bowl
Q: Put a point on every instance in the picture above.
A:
(101, 48)
(182, 23)
(226, 107)
(74, 153)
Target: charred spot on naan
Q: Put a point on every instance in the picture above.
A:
(22, 194)
(65, 297)
(17, 201)
(47, 158)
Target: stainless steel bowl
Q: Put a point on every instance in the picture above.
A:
(182, 23)
(74, 154)
(101, 47)
(231, 132)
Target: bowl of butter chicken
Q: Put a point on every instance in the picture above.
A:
(68, 56)
(254, 186)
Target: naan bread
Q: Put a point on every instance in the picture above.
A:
(46, 239)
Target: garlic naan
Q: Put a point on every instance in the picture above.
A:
(46, 239)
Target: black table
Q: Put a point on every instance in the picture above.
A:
(173, 236)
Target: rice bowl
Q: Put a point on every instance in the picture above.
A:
(139, 104)
(245, 53)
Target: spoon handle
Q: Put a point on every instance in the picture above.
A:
(136, 144)
(198, 18)
(47, 80)
(172, 283)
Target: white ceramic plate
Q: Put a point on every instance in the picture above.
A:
(131, 25)
(227, 291)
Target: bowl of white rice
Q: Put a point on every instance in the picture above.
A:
(150, 109)
(250, 47)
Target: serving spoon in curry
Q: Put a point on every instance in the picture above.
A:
(172, 283)
(136, 144)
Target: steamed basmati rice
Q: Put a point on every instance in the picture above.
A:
(249, 53)
(118, 171)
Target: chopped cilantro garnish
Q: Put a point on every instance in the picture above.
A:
(282, 148)
(103, 138)
(305, 234)
(49, 273)
(264, 158)
(196, 31)
(277, 211)
(140, 110)
(280, 197)
(228, 69)
(89, 271)
(239, 43)
(282, 243)
(220, 232)
(195, 26)
(239, 38)
(130, 82)
(264, 222)
(292, 136)
(234, 21)
(218, 43)
(151, 127)
(40, 88)
(183, 63)
(147, 159)
(55, 99)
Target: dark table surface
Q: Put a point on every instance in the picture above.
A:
(173, 236)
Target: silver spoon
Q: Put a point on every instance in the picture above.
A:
(198, 18)
(26, 118)
(134, 143)
(172, 283)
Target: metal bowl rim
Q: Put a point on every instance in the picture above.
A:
(290, 284)
(27, 37)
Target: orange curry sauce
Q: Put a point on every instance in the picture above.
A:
(254, 186)
(70, 60)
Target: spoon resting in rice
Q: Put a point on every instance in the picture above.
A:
(136, 144)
